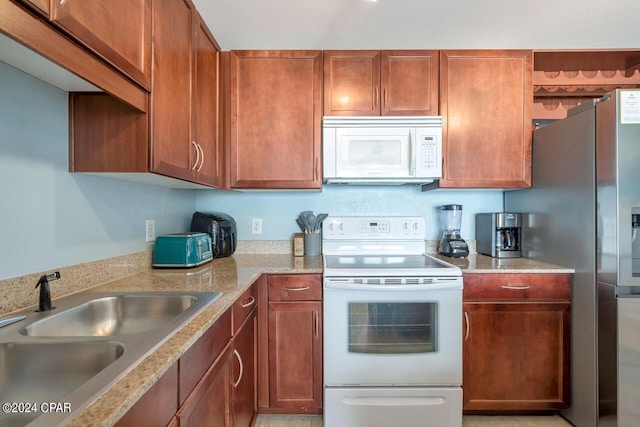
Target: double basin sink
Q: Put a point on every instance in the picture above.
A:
(55, 363)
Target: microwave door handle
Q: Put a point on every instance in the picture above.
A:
(412, 154)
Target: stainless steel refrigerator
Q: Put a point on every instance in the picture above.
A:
(583, 211)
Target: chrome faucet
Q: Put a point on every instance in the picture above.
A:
(45, 291)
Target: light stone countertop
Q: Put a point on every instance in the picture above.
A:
(231, 276)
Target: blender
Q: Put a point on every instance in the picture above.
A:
(451, 244)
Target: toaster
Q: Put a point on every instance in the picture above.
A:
(182, 250)
(222, 229)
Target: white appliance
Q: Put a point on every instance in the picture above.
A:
(392, 326)
(382, 150)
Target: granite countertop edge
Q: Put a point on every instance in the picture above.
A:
(231, 276)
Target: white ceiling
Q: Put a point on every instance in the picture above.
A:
(423, 24)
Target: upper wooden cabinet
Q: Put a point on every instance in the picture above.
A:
(485, 103)
(275, 117)
(388, 83)
(182, 139)
(117, 30)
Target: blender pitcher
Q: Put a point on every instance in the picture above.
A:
(451, 244)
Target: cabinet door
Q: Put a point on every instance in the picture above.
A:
(295, 356)
(516, 356)
(485, 102)
(172, 147)
(276, 116)
(244, 404)
(157, 406)
(42, 5)
(208, 405)
(118, 30)
(352, 83)
(409, 81)
(206, 102)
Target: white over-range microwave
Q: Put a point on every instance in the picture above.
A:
(382, 150)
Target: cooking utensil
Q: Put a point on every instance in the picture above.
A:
(321, 217)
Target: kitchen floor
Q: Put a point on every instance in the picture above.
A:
(467, 421)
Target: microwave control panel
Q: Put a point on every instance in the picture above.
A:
(428, 152)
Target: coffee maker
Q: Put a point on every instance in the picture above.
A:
(499, 234)
(451, 244)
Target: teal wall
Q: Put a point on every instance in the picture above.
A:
(50, 218)
(278, 210)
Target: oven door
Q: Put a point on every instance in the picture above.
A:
(392, 334)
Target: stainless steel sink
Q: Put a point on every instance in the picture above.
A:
(39, 372)
(113, 315)
(72, 354)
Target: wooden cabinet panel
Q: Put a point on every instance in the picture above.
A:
(373, 83)
(197, 360)
(295, 356)
(206, 106)
(244, 305)
(32, 32)
(157, 406)
(118, 30)
(517, 287)
(352, 83)
(409, 81)
(516, 356)
(485, 103)
(39, 5)
(208, 405)
(172, 150)
(276, 115)
(244, 405)
(516, 342)
(295, 287)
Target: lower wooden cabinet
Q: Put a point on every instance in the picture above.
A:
(208, 404)
(244, 405)
(516, 342)
(291, 345)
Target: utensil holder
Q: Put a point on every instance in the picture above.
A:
(312, 244)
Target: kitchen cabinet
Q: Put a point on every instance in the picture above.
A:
(40, 36)
(117, 30)
(485, 103)
(158, 405)
(373, 83)
(244, 407)
(275, 119)
(293, 345)
(180, 137)
(516, 342)
(41, 6)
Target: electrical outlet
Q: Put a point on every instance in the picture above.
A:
(256, 225)
(150, 230)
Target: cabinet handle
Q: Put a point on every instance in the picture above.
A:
(317, 323)
(385, 99)
(375, 99)
(468, 326)
(235, 383)
(515, 287)
(201, 157)
(306, 288)
(195, 164)
(250, 302)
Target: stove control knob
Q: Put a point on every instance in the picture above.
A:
(405, 226)
(415, 226)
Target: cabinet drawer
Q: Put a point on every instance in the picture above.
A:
(243, 306)
(295, 287)
(517, 287)
(195, 362)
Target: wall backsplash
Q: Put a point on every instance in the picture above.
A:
(278, 210)
(51, 218)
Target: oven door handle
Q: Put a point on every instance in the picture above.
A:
(393, 288)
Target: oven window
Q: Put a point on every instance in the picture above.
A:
(392, 327)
